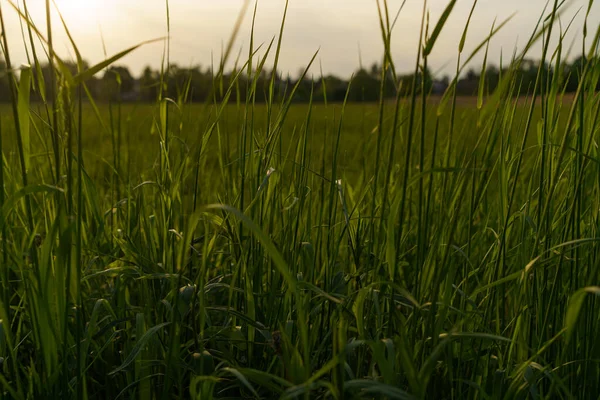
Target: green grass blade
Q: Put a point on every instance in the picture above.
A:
(438, 28)
(23, 110)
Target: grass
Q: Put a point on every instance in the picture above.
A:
(240, 250)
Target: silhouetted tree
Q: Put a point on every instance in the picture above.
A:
(117, 83)
(195, 84)
(364, 87)
(149, 85)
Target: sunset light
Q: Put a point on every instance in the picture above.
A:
(83, 15)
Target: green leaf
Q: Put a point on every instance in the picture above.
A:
(242, 379)
(61, 64)
(15, 198)
(77, 53)
(463, 39)
(376, 388)
(163, 116)
(87, 74)
(275, 255)
(9, 388)
(390, 248)
(266, 380)
(438, 28)
(93, 327)
(575, 304)
(139, 346)
(484, 42)
(23, 111)
(481, 90)
(320, 292)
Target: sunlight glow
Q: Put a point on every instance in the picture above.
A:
(83, 15)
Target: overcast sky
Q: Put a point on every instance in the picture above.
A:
(337, 28)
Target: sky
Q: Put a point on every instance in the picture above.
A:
(344, 32)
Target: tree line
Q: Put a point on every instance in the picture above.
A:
(198, 84)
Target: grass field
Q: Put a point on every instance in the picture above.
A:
(437, 248)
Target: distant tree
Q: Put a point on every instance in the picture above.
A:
(408, 81)
(364, 87)
(573, 74)
(375, 71)
(492, 78)
(527, 75)
(472, 75)
(149, 85)
(331, 88)
(117, 83)
(195, 84)
(202, 83)
(305, 87)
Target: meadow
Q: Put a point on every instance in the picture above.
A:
(416, 248)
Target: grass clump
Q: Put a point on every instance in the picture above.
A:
(246, 250)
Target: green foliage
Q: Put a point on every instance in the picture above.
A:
(249, 249)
